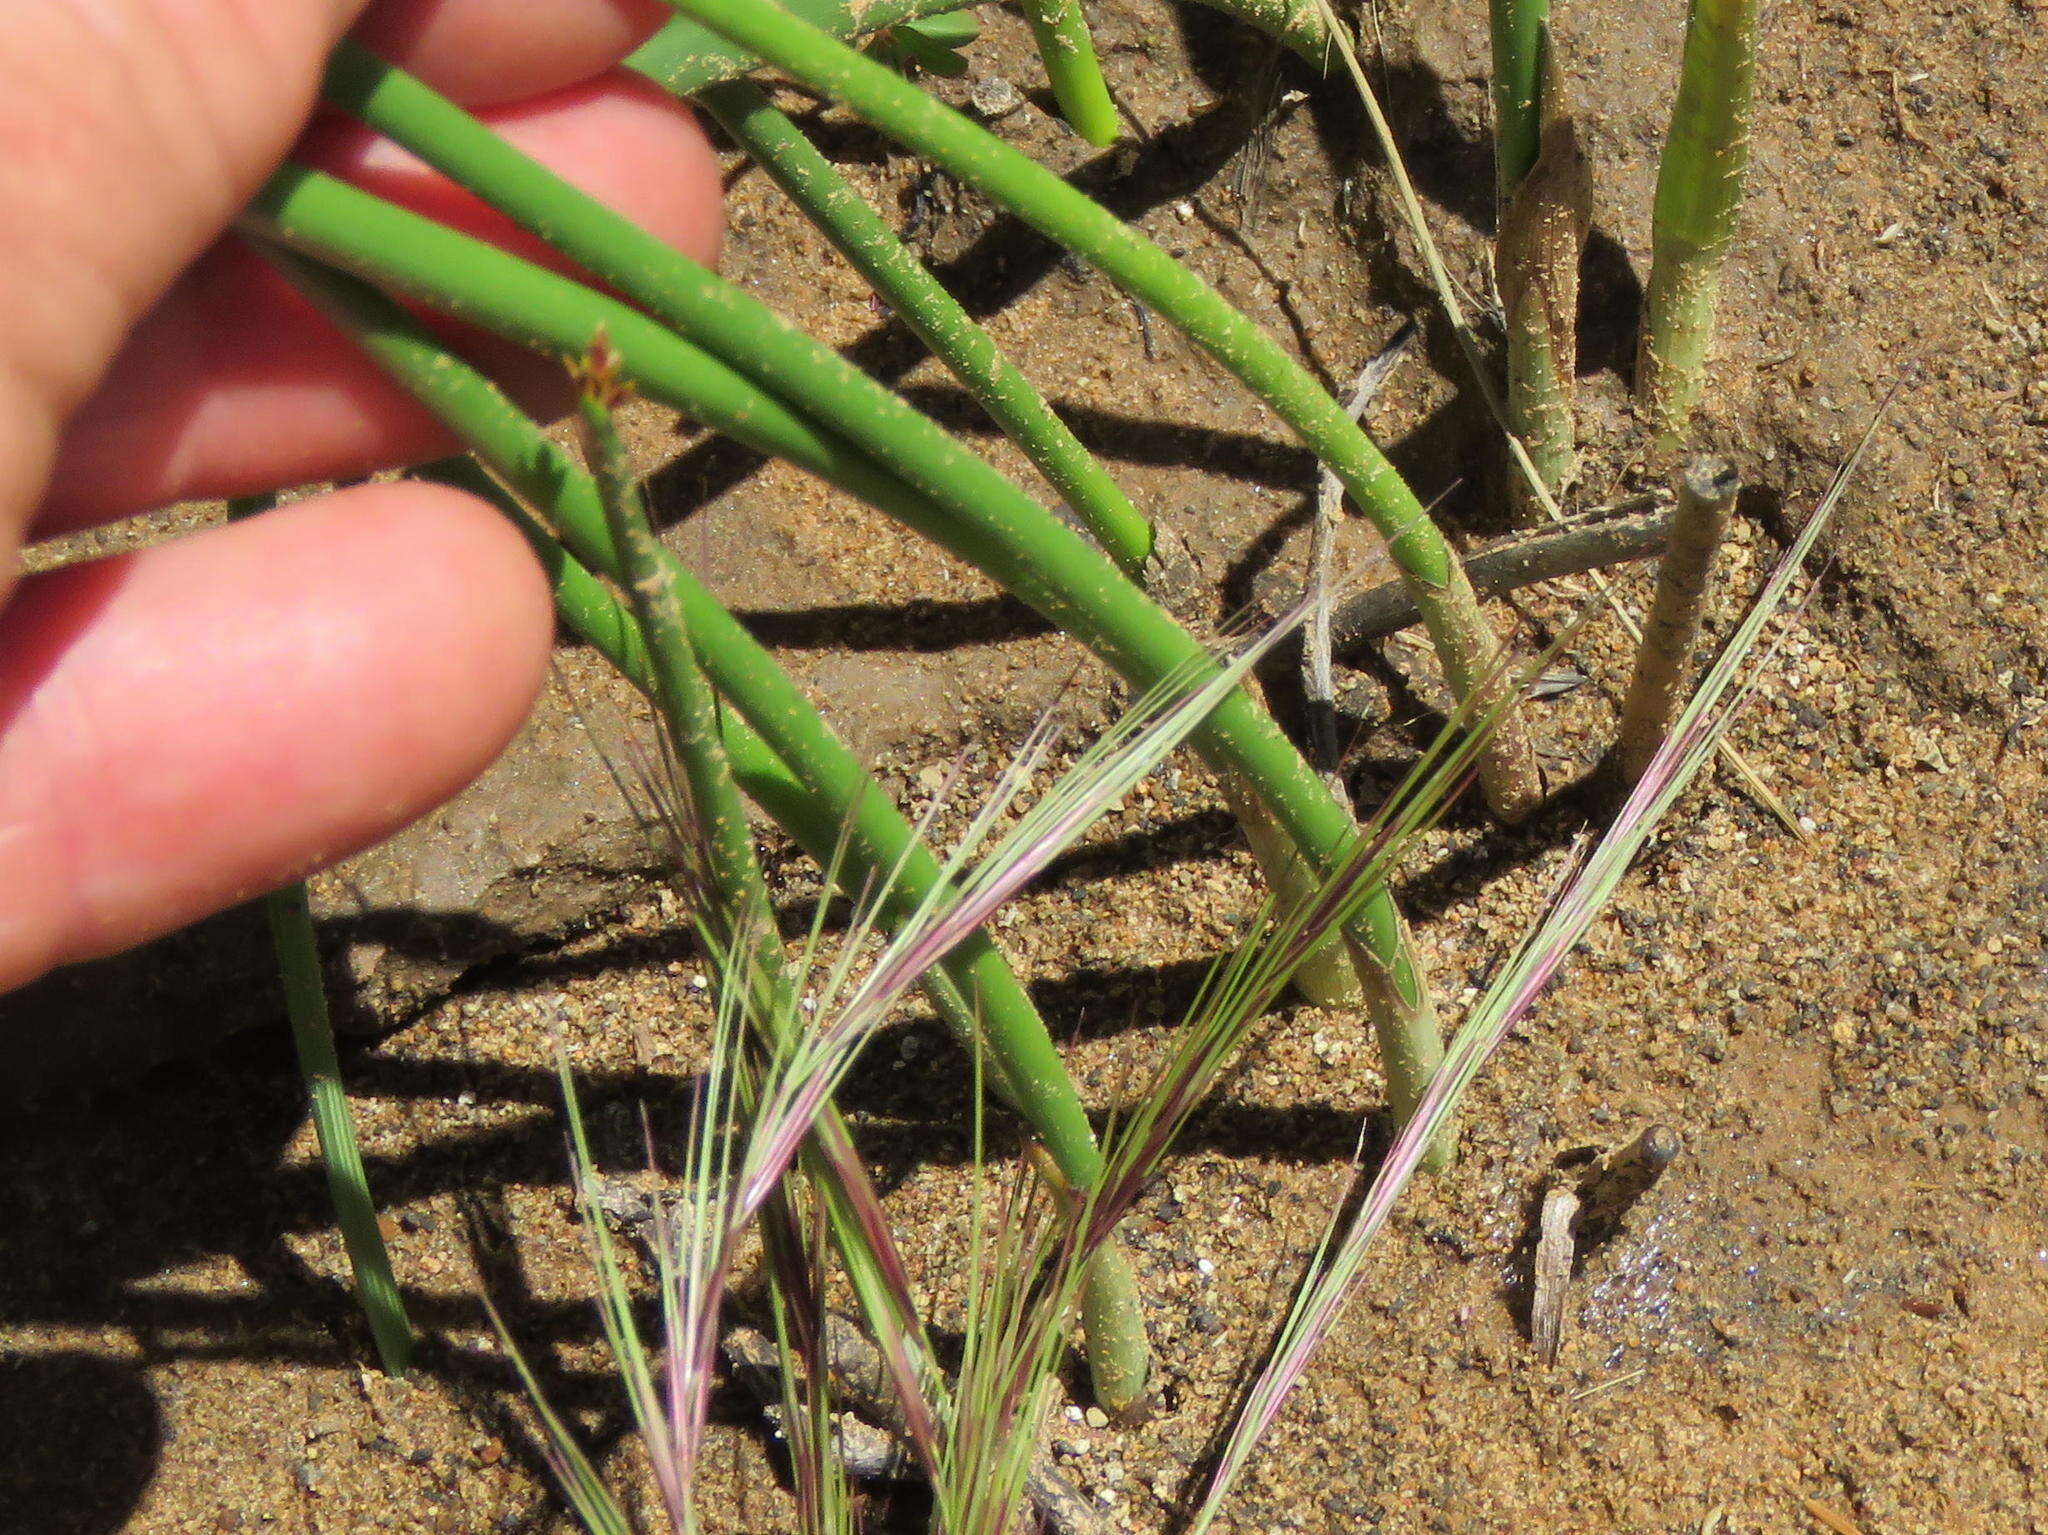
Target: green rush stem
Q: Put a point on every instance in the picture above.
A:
(1061, 32)
(1517, 27)
(739, 893)
(998, 530)
(1464, 640)
(305, 998)
(994, 528)
(695, 302)
(780, 148)
(1699, 193)
(796, 768)
(684, 57)
(290, 917)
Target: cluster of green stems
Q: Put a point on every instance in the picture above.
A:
(698, 344)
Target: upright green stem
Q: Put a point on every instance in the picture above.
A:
(305, 996)
(1071, 66)
(918, 299)
(979, 516)
(737, 892)
(1699, 193)
(1464, 640)
(1543, 225)
(1518, 28)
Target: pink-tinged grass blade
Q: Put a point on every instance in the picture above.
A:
(1334, 1272)
(1025, 1273)
(1244, 988)
(971, 893)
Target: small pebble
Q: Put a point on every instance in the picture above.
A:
(993, 96)
(1096, 1418)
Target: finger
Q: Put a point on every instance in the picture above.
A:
(132, 130)
(477, 52)
(233, 384)
(193, 725)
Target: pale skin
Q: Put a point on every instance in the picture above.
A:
(200, 722)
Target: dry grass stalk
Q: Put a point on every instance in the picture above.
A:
(1706, 496)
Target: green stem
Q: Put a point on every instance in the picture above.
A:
(1518, 28)
(934, 315)
(684, 57)
(1464, 641)
(290, 916)
(1699, 193)
(1299, 25)
(993, 527)
(812, 811)
(305, 996)
(1070, 64)
(1543, 225)
(737, 894)
(796, 768)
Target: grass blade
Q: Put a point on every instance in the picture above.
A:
(298, 963)
(1333, 1278)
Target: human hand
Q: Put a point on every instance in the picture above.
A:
(191, 725)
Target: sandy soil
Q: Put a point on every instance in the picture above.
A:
(1839, 1293)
